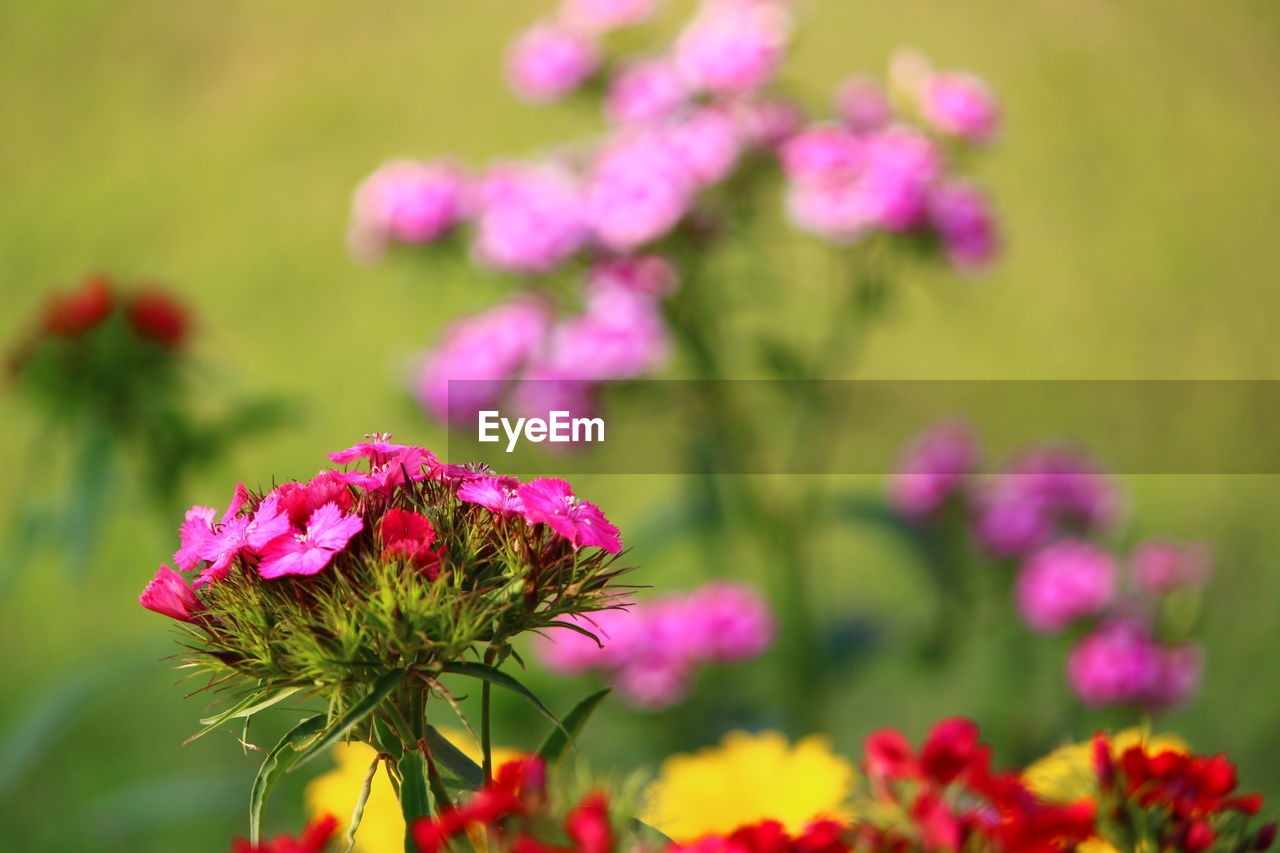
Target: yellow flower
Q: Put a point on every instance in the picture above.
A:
(1067, 774)
(748, 778)
(382, 827)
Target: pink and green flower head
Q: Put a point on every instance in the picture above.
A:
(551, 501)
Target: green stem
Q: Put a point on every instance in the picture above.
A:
(486, 741)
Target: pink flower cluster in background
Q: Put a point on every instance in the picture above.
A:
(650, 651)
(687, 124)
(520, 354)
(1044, 514)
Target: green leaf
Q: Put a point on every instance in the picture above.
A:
(453, 759)
(558, 740)
(357, 712)
(484, 672)
(276, 762)
(248, 706)
(388, 740)
(415, 800)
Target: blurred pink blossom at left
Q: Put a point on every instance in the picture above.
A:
(407, 202)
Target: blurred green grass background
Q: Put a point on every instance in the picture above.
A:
(215, 145)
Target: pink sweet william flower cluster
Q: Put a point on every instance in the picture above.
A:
(650, 651)
(691, 127)
(872, 170)
(1044, 515)
(298, 528)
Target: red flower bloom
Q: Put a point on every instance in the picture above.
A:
(588, 825)
(72, 314)
(408, 536)
(951, 748)
(159, 317)
(312, 840)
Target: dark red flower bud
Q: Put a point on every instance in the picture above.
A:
(72, 314)
(159, 317)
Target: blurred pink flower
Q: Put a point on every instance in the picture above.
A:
(622, 633)
(651, 653)
(844, 183)
(496, 494)
(645, 90)
(933, 469)
(1162, 567)
(1118, 663)
(901, 164)
(407, 202)
(620, 335)
(1012, 519)
(733, 50)
(551, 501)
(599, 16)
(965, 221)
(862, 106)
(1071, 484)
(647, 275)
(767, 122)
(707, 142)
(487, 351)
(328, 532)
(822, 153)
(1065, 582)
(960, 105)
(654, 681)
(1177, 676)
(548, 61)
(545, 388)
(732, 622)
(530, 219)
(639, 189)
(169, 595)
